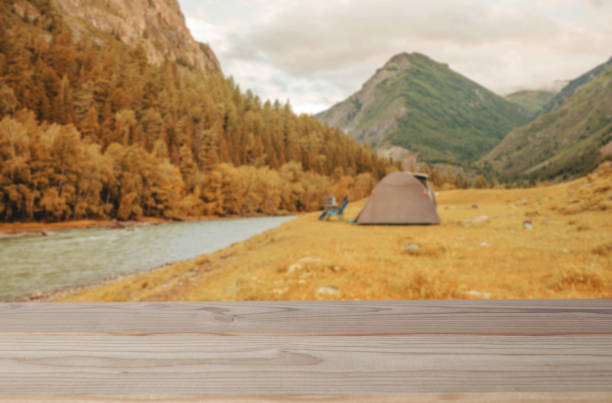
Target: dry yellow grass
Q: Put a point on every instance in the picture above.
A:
(567, 254)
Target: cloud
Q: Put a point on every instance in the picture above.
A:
(318, 52)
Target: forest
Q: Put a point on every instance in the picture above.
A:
(90, 129)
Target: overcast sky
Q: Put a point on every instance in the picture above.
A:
(315, 53)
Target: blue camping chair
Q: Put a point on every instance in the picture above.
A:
(334, 211)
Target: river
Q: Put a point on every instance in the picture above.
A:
(79, 257)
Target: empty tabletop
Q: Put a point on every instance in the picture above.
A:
(295, 351)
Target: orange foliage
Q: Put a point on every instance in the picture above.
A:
(90, 130)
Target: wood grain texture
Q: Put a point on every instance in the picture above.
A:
(591, 397)
(194, 365)
(305, 351)
(549, 317)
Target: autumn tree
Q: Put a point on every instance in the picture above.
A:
(90, 129)
(481, 182)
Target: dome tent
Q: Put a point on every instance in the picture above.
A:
(399, 199)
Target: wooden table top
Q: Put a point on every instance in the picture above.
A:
(392, 351)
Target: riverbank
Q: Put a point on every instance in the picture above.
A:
(27, 229)
(545, 242)
(34, 266)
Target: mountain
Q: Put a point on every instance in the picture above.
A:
(531, 100)
(572, 87)
(94, 125)
(568, 142)
(156, 25)
(424, 106)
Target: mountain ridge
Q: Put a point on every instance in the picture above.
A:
(424, 106)
(565, 143)
(572, 86)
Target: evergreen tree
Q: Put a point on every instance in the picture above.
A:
(90, 129)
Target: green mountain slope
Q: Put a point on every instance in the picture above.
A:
(568, 142)
(424, 106)
(572, 87)
(531, 100)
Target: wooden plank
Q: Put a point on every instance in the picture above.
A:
(292, 365)
(591, 397)
(294, 351)
(554, 317)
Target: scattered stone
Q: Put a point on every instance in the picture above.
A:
(485, 244)
(479, 294)
(309, 260)
(300, 264)
(279, 291)
(475, 206)
(36, 295)
(294, 267)
(527, 225)
(481, 218)
(328, 290)
(522, 202)
(116, 225)
(412, 248)
(47, 233)
(564, 251)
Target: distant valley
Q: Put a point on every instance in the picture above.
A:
(432, 113)
(567, 142)
(531, 100)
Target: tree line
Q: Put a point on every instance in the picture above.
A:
(90, 129)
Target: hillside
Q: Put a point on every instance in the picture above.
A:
(91, 128)
(531, 100)
(424, 106)
(477, 253)
(571, 87)
(565, 143)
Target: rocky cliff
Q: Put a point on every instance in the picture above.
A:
(157, 25)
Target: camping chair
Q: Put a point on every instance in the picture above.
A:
(334, 211)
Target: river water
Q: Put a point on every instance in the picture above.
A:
(78, 257)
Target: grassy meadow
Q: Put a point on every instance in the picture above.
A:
(544, 242)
